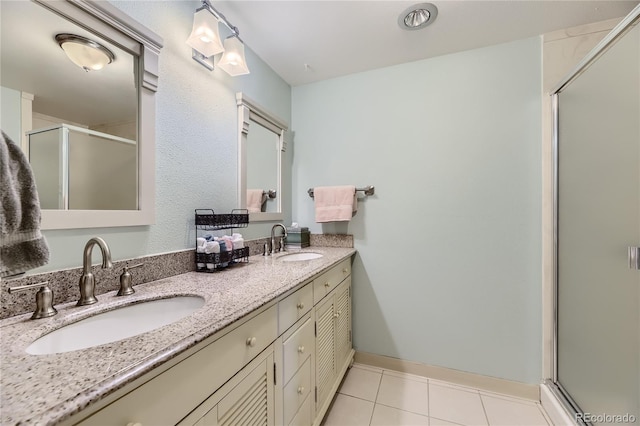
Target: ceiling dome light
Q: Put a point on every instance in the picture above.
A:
(418, 16)
(85, 53)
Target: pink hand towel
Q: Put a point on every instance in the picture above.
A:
(335, 203)
(254, 200)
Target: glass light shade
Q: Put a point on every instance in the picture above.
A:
(85, 53)
(204, 36)
(233, 61)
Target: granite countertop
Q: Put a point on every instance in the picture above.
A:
(46, 389)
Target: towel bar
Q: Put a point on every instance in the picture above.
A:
(368, 190)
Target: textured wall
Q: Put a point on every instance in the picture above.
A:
(196, 141)
(448, 267)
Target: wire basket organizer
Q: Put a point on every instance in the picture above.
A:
(208, 220)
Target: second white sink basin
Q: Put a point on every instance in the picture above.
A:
(117, 324)
(295, 257)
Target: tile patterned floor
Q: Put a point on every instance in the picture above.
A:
(373, 396)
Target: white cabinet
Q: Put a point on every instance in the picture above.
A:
(171, 395)
(247, 399)
(333, 342)
(280, 365)
(316, 349)
(326, 282)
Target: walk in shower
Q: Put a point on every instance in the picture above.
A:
(597, 232)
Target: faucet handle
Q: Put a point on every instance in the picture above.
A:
(126, 283)
(44, 299)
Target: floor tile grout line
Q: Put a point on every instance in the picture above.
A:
(445, 420)
(401, 409)
(484, 409)
(375, 401)
(356, 397)
(429, 400)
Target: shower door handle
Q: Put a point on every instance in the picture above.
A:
(634, 258)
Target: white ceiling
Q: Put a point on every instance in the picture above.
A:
(336, 38)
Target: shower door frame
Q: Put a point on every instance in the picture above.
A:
(632, 19)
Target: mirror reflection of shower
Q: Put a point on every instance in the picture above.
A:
(81, 169)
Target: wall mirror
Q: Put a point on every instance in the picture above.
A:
(261, 143)
(89, 135)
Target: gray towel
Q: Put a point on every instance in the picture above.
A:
(22, 246)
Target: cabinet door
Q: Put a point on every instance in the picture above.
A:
(247, 399)
(249, 402)
(325, 349)
(343, 322)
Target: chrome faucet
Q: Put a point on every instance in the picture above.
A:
(87, 280)
(273, 238)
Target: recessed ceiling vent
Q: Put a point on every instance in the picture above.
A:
(418, 16)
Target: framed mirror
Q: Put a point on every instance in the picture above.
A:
(261, 142)
(89, 133)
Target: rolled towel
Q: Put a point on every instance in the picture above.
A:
(200, 249)
(235, 235)
(222, 244)
(228, 242)
(212, 247)
(238, 243)
(209, 237)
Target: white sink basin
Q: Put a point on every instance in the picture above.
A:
(117, 324)
(296, 257)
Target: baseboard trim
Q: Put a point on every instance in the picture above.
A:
(478, 381)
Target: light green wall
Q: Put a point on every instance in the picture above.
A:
(448, 270)
(196, 141)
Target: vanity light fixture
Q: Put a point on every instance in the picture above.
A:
(417, 16)
(85, 53)
(205, 43)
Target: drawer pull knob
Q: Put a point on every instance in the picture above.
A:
(251, 341)
(300, 390)
(336, 315)
(300, 305)
(345, 270)
(327, 284)
(301, 349)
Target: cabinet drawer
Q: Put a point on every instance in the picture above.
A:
(168, 397)
(304, 415)
(330, 279)
(296, 391)
(297, 348)
(294, 306)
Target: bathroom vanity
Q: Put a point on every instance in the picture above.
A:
(270, 346)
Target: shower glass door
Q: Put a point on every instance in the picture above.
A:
(598, 218)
